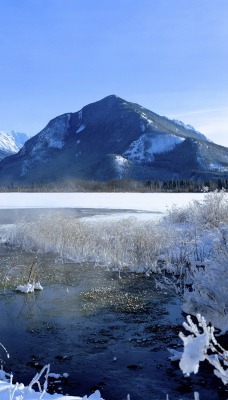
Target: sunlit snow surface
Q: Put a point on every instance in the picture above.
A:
(7, 142)
(12, 141)
(144, 148)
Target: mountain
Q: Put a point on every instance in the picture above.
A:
(11, 142)
(114, 139)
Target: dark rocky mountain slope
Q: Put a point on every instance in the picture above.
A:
(115, 139)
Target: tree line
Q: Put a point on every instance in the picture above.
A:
(119, 185)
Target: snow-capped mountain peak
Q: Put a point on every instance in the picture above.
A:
(12, 141)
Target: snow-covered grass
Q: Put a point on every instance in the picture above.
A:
(124, 243)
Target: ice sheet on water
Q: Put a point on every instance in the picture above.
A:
(121, 201)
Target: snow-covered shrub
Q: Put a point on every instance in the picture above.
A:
(176, 215)
(191, 232)
(199, 257)
(201, 345)
(210, 212)
(208, 291)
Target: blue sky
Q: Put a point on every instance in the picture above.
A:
(170, 56)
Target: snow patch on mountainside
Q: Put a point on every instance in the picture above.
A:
(146, 121)
(143, 149)
(12, 141)
(54, 134)
(80, 115)
(81, 128)
(120, 164)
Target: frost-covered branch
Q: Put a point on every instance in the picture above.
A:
(5, 350)
(36, 379)
(202, 345)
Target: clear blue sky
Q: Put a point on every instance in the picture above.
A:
(170, 56)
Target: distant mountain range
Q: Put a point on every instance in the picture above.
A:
(11, 142)
(115, 139)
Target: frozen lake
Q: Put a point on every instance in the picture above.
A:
(144, 206)
(115, 201)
